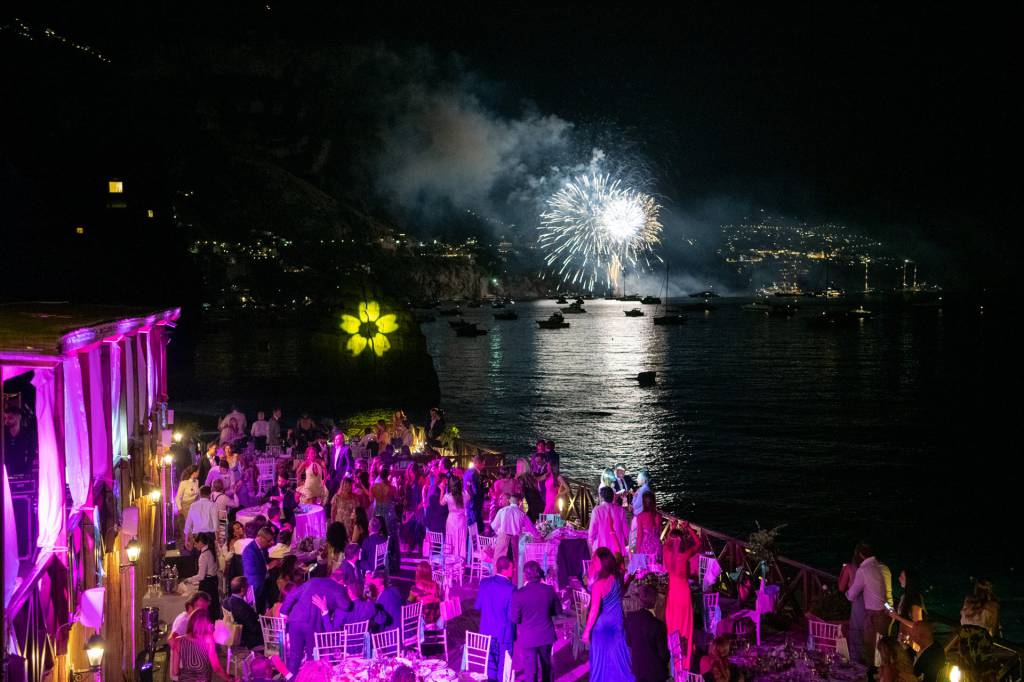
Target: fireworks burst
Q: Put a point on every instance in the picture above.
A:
(594, 227)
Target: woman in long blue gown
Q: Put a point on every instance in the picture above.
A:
(609, 655)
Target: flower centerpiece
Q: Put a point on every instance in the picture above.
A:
(544, 528)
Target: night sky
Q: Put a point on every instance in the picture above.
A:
(901, 123)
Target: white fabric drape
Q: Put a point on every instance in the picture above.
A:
(141, 380)
(117, 430)
(51, 457)
(99, 424)
(148, 338)
(130, 388)
(76, 433)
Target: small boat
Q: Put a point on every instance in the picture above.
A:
(670, 318)
(556, 321)
(860, 312)
(650, 300)
(469, 329)
(578, 301)
(647, 378)
(506, 315)
(704, 294)
(757, 307)
(497, 304)
(449, 312)
(561, 300)
(635, 312)
(630, 297)
(667, 317)
(575, 308)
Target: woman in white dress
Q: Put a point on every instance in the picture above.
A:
(455, 528)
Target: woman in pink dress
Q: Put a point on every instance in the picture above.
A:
(681, 545)
(554, 486)
(648, 528)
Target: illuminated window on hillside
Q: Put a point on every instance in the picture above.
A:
(149, 213)
(116, 186)
(79, 230)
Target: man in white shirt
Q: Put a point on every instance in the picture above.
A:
(873, 585)
(509, 523)
(221, 472)
(259, 431)
(202, 515)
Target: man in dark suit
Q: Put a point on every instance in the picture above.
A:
(647, 639)
(256, 564)
(362, 608)
(349, 569)
(533, 609)
(305, 616)
(244, 614)
(370, 544)
(388, 602)
(473, 485)
(494, 600)
(436, 427)
(283, 495)
(207, 462)
(930, 662)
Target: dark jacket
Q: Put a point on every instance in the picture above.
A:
(389, 609)
(930, 665)
(647, 639)
(254, 565)
(246, 616)
(494, 601)
(533, 607)
(303, 614)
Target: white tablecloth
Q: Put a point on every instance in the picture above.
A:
(310, 520)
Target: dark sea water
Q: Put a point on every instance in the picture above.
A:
(902, 429)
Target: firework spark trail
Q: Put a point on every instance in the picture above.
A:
(594, 227)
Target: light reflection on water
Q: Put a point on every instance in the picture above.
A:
(842, 433)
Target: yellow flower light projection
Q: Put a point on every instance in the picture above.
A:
(369, 329)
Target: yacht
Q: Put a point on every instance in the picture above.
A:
(556, 321)
(635, 312)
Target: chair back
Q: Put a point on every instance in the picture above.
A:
(266, 468)
(434, 638)
(436, 555)
(476, 652)
(676, 647)
(329, 646)
(380, 556)
(824, 636)
(581, 601)
(385, 644)
(411, 623)
(743, 628)
(274, 641)
(702, 568)
(537, 551)
(355, 638)
(712, 613)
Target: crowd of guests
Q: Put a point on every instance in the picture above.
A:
(377, 494)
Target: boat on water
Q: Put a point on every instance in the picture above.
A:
(704, 294)
(860, 312)
(757, 307)
(635, 312)
(575, 308)
(556, 321)
(782, 290)
(664, 317)
(651, 300)
(561, 300)
(497, 304)
(469, 329)
(506, 315)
